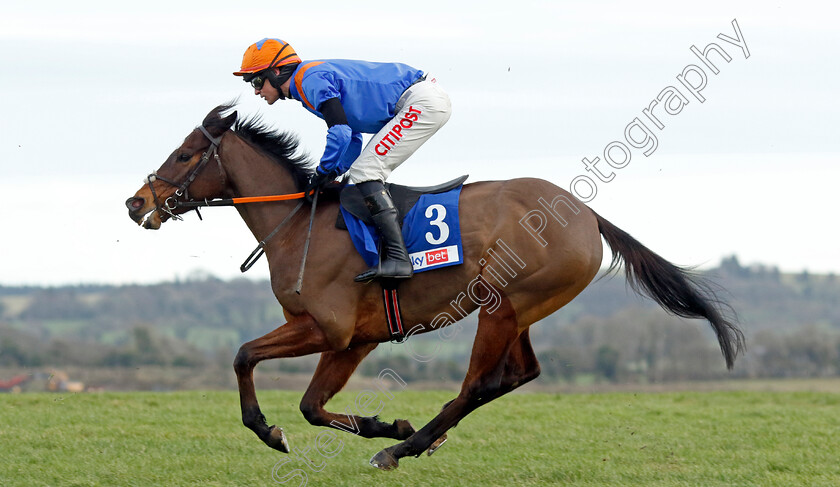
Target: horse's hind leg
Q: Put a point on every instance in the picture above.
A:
(333, 371)
(521, 367)
(496, 336)
(300, 336)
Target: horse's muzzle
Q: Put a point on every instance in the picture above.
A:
(135, 205)
(139, 211)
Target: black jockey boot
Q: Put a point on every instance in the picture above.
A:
(393, 256)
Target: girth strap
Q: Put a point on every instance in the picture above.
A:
(393, 315)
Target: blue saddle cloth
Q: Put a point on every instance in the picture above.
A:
(431, 230)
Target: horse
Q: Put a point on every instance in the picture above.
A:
(529, 247)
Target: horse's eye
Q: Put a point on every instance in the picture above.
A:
(184, 157)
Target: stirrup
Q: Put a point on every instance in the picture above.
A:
(377, 272)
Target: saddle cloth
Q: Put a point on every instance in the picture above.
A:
(430, 223)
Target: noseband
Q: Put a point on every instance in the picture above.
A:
(171, 202)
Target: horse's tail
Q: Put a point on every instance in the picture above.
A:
(676, 289)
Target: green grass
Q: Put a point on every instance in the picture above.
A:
(617, 439)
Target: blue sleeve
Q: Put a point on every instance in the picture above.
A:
(343, 147)
(319, 87)
(351, 154)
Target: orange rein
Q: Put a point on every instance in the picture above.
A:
(238, 201)
(265, 199)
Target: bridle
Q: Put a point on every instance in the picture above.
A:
(171, 202)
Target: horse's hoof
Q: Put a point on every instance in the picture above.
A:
(277, 439)
(437, 444)
(384, 461)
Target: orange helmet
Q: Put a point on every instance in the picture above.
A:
(267, 53)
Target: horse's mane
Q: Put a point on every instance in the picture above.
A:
(281, 146)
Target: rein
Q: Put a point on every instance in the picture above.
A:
(237, 201)
(260, 250)
(172, 203)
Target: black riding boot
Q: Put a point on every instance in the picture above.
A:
(393, 256)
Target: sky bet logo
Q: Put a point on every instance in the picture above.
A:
(435, 257)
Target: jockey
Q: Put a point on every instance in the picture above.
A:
(402, 106)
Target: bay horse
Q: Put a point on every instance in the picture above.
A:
(529, 248)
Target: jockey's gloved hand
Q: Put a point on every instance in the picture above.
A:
(317, 182)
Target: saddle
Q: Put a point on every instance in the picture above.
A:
(404, 197)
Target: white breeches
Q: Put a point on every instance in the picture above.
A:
(421, 110)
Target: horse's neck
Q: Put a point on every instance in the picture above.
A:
(252, 173)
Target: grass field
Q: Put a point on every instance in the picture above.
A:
(726, 438)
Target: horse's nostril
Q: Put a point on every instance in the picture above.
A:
(134, 203)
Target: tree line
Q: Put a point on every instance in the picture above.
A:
(606, 334)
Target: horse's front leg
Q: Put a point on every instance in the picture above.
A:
(333, 372)
(300, 336)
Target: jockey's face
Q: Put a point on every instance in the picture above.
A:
(268, 92)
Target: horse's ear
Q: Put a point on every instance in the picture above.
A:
(228, 121)
(216, 124)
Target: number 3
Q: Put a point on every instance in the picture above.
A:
(438, 222)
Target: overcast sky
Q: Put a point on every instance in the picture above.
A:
(97, 94)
